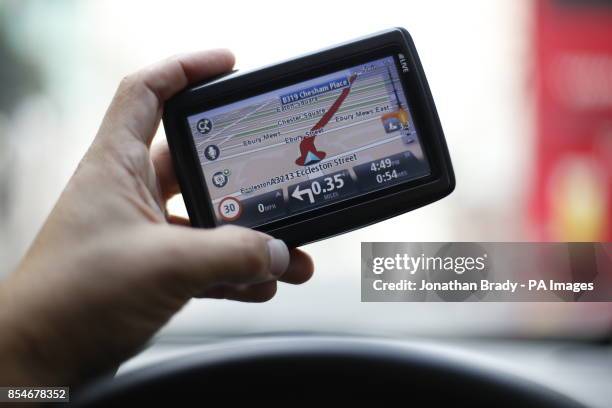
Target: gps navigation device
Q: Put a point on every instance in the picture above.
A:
(312, 147)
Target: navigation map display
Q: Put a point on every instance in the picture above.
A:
(311, 144)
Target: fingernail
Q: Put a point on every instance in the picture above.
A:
(279, 256)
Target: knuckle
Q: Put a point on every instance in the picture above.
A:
(253, 253)
(128, 81)
(243, 256)
(131, 83)
(251, 248)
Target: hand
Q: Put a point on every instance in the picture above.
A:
(110, 266)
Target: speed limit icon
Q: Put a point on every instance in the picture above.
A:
(230, 209)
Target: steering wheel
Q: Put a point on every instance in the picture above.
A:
(321, 369)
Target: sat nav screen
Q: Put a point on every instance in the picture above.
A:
(308, 145)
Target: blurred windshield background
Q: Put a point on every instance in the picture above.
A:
(523, 89)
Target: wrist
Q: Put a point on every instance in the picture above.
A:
(20, 347)
(13, 371)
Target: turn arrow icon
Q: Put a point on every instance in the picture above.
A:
(298, 194)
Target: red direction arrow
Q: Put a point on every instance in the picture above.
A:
(307, 144)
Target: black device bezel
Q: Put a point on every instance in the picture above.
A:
(344, 215)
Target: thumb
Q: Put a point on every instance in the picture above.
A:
(204, 258)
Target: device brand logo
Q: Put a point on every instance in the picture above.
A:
(403, 63)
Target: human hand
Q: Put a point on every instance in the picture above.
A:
(110, 266)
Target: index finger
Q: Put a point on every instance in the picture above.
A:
(137, 105)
